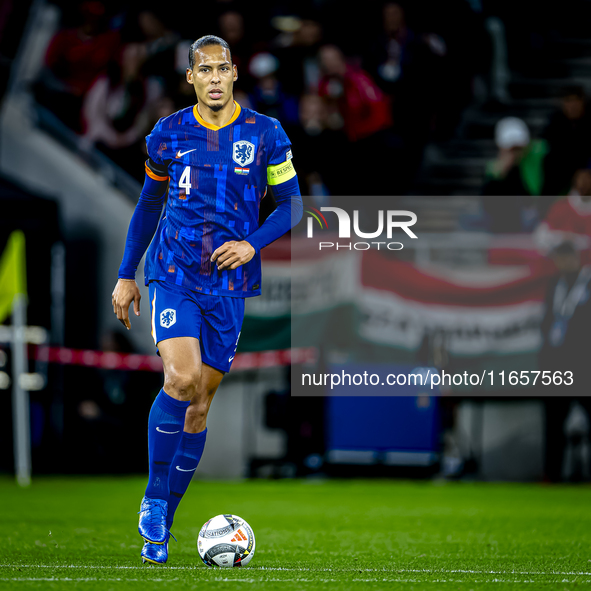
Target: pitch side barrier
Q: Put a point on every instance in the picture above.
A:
(135, 362)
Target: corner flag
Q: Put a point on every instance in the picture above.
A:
(13, 274)
(13, 300)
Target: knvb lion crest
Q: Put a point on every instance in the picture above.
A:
(243, 152)
(167, 317)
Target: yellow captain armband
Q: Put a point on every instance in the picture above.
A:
(279, 173)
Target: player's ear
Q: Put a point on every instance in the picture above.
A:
(235, 72)
(189, 76)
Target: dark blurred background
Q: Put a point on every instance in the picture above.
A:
(471, 113)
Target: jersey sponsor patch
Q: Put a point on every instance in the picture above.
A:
(280, 173)
(242, 152)
(167, 317)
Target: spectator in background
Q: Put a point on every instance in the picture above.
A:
(408, 67)
(159, 44)
(298, 53)
(570, 218)
(514, 179)
(364, 107)
(393, 51)
(74, 59)
(581, 186)
(231, 26)
(566, 334)
(566, 328)
(569, 138)
(114, 110)
(365, 111)
(317, 149)
(267, 96)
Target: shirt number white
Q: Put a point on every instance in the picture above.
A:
(185, 182)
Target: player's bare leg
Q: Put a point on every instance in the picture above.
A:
(196, 417)
(186, 377)
(181, 358)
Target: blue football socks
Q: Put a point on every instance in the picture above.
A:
(183, 467)
(165, 429)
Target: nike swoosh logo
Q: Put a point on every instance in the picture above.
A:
(231, 358)
(179, 153)
(167, 432)
(181, 470)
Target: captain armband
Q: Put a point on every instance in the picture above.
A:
(279, 173)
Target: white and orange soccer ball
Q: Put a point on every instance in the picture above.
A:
(227, 541)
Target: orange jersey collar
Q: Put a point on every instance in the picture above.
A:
(201, 121)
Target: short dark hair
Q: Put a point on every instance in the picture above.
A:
(204, 42)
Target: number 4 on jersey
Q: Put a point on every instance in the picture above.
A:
(185, 182)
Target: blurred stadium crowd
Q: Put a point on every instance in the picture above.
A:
(364, 93)
(363, 88)
(367, 89)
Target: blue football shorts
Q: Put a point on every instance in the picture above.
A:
(215, 320)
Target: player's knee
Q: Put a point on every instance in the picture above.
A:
(196, 417)
(182, 385)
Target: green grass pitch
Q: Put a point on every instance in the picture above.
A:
(81, 533)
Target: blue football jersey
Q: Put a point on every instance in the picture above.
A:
(217, 178)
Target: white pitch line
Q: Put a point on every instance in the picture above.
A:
(287, 569)
(259, 581)
(81, 579)
(491, 572)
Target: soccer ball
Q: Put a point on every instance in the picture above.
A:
(226, 540)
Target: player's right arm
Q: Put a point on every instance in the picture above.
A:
(141, 230)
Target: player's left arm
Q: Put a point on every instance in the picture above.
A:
(288, 213)
(286, 190)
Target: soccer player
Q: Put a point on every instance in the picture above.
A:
(212, 162)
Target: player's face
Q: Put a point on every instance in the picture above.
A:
(213, 76)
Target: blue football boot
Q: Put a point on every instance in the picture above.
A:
(152, 525)
(155, 553)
